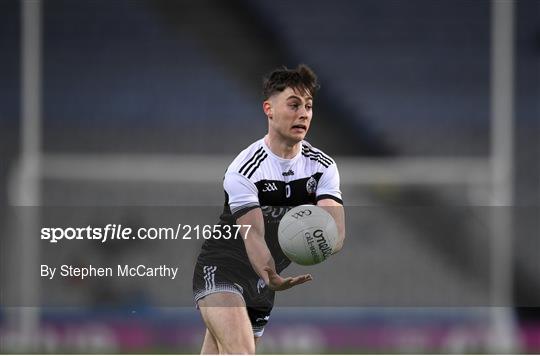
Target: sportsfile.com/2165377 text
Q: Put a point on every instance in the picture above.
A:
(119, 232)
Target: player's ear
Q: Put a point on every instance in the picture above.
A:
(267, 108)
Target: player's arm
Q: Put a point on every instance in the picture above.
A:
(259, 255)
(338, 213)
(329, 198)
(252, 231)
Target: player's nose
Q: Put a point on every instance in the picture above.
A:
(303, 113)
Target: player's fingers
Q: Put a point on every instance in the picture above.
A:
(306, 277)
(281, 285)
(286, 282)
(301, 279)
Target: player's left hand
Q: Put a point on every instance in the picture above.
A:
(277, 283)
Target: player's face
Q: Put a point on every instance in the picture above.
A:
(289, 113)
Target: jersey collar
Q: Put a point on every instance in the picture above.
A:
(276, 157)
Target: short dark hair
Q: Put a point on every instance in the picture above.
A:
(301, 79)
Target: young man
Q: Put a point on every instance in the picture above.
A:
(235, 280)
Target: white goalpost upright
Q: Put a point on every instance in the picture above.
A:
(28, 194)
(502, 173)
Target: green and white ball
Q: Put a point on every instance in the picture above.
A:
(307, 234)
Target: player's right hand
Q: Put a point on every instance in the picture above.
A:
(277, 283)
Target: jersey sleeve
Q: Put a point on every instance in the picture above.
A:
(328, 186)
(242, 193)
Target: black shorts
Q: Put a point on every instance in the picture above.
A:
(211, 278)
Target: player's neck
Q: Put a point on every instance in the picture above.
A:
(281, 148)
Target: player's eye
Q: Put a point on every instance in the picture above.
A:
(309, 107)
(294, 106)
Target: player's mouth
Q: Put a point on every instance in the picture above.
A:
(299, 127)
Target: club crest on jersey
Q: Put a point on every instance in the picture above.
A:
(311, 185)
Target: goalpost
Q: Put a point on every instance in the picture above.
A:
(502, 161)
(28, 175)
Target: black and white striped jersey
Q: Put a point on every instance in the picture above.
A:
(259, 178)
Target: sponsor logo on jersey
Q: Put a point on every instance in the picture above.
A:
(311, 185)
(274, 211)
(290, 172)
